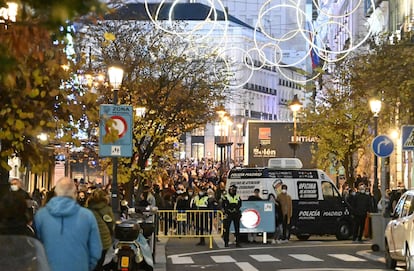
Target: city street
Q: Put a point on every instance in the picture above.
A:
(315, 254)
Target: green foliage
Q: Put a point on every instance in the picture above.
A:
(161, 73)
(37, 94)
(341, 116)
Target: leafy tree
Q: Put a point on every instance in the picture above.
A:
(178, 88)
(340, 119)
(34, 98)
(387, 72)
(341, 116)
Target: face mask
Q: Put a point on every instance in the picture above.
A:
(190, 193)
(362, 191)
(179, 192)
(284, 191)
(353, 193)
(201, 193)
(14, 187)
(210, 196)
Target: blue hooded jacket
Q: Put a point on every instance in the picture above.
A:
(69, 234)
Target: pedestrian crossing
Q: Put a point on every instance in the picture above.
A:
(263, 258)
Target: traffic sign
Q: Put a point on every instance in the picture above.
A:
(407, 137)
(121, 116)
(382, 146)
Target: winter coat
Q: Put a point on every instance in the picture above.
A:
(286, 205)
(16, 227)
(106, 228)
(361, 204)
(69, 234)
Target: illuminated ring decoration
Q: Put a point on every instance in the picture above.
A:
(233, 62)
(210, 20)
(267, 52)
(262, 13)
(338, 16)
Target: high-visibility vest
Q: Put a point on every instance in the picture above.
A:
(232, 200)
(201, 201)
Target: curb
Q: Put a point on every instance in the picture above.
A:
(369, 255)
(160, 257)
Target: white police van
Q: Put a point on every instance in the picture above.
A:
(318, 208)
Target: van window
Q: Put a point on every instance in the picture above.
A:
(328, 190)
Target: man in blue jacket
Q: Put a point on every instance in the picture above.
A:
(68, 231)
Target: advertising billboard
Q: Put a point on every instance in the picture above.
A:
(270, 139)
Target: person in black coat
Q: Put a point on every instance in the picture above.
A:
(360, 206)
(14, 219)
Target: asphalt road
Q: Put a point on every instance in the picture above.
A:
(318, 254)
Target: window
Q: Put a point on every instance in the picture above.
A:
(328, 191)
(399, 207)
(407, 206)
(198, 132)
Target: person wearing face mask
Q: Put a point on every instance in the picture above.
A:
(81, 199)
(17, 187)
(201, 203)
(285, 202)
(231, 207)
(181, 205)
(360, 206)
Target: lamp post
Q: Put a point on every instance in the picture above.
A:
(221, 142)
(115, 79)
(240, 144)
(375, 106)
(295, 105)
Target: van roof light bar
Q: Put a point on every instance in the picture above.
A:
(293, 163)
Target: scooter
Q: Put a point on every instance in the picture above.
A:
(131, 249)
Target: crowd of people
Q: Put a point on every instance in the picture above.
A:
(73, 237)
(57, 219)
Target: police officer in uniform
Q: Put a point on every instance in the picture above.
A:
(201, 203)
(231, 207)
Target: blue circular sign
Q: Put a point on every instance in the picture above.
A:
(382, 146)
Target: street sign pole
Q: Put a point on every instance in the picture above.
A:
(114, 185)
(382, 146)
(121, 117)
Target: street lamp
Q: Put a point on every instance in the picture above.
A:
(115, 79)
(375, 106)
(295, 105)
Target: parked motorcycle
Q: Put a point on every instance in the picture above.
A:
(132, 251)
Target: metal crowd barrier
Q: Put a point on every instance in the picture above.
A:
(190, 223)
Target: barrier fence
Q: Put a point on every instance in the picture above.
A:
(190, 223)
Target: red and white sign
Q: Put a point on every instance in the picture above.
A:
(250, 218)
(120, 125)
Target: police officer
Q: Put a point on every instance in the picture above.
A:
(201, 203)
(231, 207)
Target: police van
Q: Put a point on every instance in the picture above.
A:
(318, 208)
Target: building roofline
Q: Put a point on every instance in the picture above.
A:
(181, 12)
